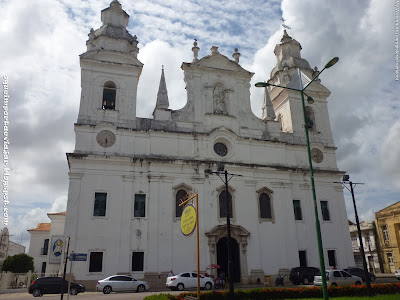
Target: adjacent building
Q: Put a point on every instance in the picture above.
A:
(47, 245)
(7, 247)
(127, 174)
(388, 228)
(371, 246)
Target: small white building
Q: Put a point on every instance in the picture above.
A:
(368, 236)
(47, 245)
(128, 174)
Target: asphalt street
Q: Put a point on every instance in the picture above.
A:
(132, 296)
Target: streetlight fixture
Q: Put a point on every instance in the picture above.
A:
(220, 171)
(345, 181)
(306, 127)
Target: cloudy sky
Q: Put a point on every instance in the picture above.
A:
(41, 41)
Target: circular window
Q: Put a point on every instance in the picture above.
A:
(220, 149)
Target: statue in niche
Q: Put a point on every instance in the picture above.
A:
(219, 100)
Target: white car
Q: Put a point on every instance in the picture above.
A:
(397, 273)
(337, 277)
(121, 283)
(188, 280)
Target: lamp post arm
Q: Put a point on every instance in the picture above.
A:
(284, 87)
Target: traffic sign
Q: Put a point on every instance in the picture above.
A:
(78, 257)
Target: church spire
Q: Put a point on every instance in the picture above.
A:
(268, 112)
(162, 95)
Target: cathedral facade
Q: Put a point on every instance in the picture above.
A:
(128, 174)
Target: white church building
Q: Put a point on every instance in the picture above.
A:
(127, 174)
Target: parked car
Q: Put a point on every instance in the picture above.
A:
(397, 273)
(304, 275)
(337, 277)
(53, 285)
(120, 283)
(187, 280)
(360, 273)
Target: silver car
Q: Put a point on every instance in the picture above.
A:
(188, 280)
(121, 283)
(337, 277)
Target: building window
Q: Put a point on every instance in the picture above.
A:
(96, 262)
(181, 194)
(109, 95)
(100, 200)
(385, 233)
(297, 210)
(222, 204)
(325, 211)
(310, 118)
(389, 256)
(137, 261)
(140, 206)
(265, 206)
(43, 268)
(303, 258)
(45, 249)
(220, 149)
(332, 258)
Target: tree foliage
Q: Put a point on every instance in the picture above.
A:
(19, 263)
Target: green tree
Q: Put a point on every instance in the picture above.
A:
(19, 263)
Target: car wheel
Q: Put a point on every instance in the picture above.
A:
(208, 286)
(107, 289)
(180, 287)
(141, 288)
(334, 284)
(73, 291)
(306, 281)
(358, 283)
(372, 279)
(37, 293)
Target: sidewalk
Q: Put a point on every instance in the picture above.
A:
(385, 275)
(9, 291)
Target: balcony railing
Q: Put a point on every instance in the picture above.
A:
(44, 251)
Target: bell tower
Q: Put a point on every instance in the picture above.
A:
(292, 71)
(110, 72)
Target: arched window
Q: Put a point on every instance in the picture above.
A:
(178, 209)
(222, 205)
(109, 95)
(265, 206)
(310, 118)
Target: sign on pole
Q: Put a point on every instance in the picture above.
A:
(188, 220)
(78, 257)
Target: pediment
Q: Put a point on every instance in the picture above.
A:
(395, 206)
(221, 62)
(112, 57)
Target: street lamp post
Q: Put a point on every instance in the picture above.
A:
(345, 181)
(317, 223)
(225, 180)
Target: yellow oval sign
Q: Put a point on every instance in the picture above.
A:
(188, 220)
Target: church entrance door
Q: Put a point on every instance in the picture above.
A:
(222, 257)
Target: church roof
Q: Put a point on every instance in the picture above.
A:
(218, 61)
(42, 227)
(63, 213)
(115, 32)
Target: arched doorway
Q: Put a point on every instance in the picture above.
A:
(222, 257)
